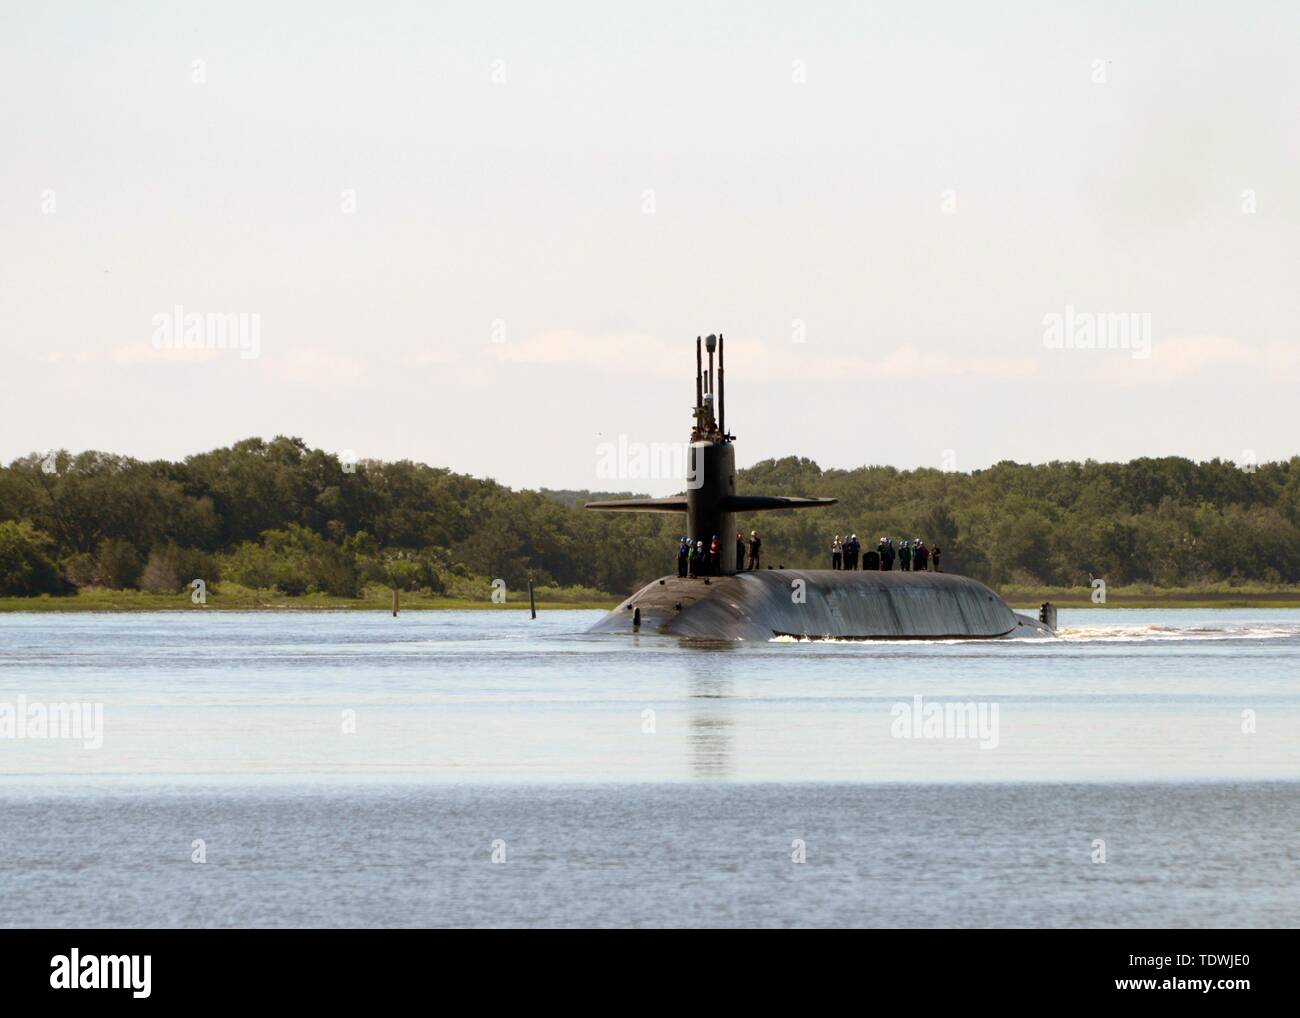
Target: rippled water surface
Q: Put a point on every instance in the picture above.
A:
(637, 780)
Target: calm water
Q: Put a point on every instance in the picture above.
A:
(350, 769)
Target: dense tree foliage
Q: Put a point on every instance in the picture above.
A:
(27, 565)
(278, 514)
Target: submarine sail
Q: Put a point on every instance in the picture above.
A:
(710, 501)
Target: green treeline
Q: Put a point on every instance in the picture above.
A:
(1169, 521)
(278, 515)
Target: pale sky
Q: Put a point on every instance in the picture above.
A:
(484, 236)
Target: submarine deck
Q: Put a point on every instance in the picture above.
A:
(821, 604)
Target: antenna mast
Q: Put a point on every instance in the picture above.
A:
(722, 392)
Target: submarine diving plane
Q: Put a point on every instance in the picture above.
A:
(761, 604)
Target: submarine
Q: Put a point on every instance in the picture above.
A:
(765, 603)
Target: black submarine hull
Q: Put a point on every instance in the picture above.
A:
(821, 604)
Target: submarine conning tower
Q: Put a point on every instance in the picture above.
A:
(710, 501)
(711, 461)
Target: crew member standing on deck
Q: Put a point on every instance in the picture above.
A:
(755, 549)
(740, 551)
(905, 556)
(837, 552)
(921, 556)
(715, 555)
(683, 556)
(934, 557)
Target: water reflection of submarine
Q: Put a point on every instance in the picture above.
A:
(811, 603)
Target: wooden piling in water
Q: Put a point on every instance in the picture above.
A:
(532, 599)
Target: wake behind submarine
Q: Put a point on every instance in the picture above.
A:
(812, 604)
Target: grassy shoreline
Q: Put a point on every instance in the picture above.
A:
(1222, 596)
(231, 597)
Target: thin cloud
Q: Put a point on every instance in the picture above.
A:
(1189, 357)
(909, 361)
(634, 352)
(638, 353)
